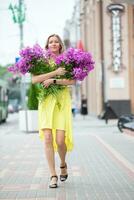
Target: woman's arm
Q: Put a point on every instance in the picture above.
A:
(48, 82)
(43, 77)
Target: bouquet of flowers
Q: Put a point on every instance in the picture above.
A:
(77, 63)
(36, 61)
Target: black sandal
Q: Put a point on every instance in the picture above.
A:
(53, 185)
(63, 177)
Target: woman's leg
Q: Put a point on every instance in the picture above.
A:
(62, 149)
(49, 151)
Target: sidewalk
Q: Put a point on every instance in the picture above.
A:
(100, 167)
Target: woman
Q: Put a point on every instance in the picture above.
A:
(55, 125)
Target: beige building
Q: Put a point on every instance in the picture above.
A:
(107, 31)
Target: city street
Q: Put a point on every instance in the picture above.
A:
(51, 51)
(100, 167)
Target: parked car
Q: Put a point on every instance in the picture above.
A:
(3, 101)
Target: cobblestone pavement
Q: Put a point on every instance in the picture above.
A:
(100, 167)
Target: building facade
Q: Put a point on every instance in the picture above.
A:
(107, 31)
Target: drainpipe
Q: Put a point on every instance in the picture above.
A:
(102, 55)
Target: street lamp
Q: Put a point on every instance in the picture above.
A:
(18, 15)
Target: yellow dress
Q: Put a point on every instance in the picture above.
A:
(54, 117)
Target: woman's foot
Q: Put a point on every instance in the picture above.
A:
(64, 174)
(53, 181)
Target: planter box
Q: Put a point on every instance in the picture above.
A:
(28, 120)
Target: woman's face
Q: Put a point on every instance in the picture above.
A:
(54, 45)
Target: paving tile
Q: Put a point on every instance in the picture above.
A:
(95, 172)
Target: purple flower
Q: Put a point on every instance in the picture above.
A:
(77, 63)
(32, 53)
(49, 54)
(34, 59)
(29, 57)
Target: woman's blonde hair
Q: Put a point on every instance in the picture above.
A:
(60, 42)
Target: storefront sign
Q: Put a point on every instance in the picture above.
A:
(116, 11)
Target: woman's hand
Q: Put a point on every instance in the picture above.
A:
(60, 71)
(47, 82)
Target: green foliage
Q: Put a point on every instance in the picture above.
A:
(4, 73)
(32, 97)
